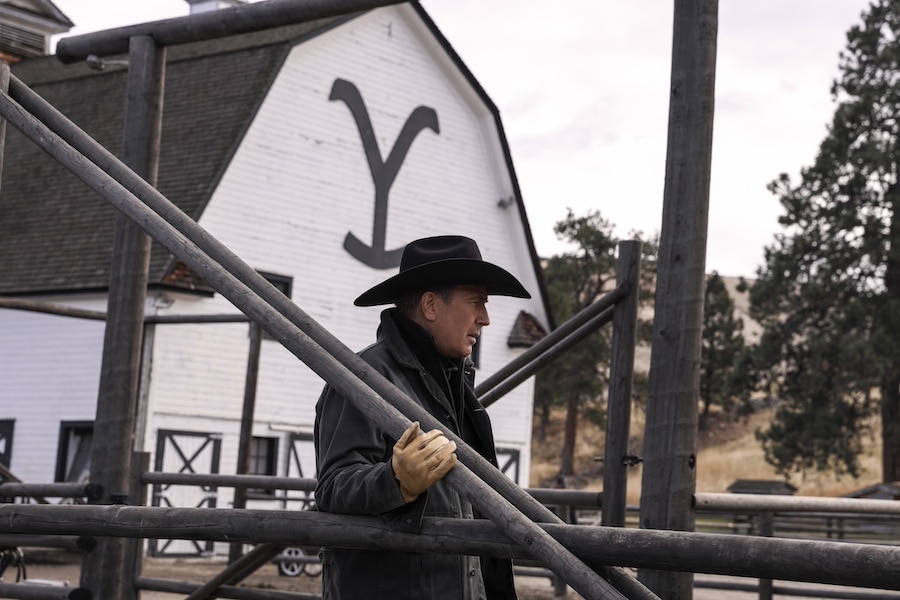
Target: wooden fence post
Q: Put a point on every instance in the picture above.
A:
(113, 440)
(618, 414)
(245, 444)
(4, 87)
(134, 547)
(670, 434)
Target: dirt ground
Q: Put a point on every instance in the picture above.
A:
(59, 566)
(64, 566)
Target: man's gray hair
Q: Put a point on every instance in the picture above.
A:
(409, 302)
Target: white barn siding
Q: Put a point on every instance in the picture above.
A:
(300, 181)
(49, 373)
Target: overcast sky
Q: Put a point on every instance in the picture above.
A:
(582, 89)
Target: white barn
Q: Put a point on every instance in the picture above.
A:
(314, 152)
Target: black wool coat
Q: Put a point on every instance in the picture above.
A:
(355, 477)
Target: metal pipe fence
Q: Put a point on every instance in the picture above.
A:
(42, 491)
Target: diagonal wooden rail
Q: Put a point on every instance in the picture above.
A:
(324, 354)
(238, 570)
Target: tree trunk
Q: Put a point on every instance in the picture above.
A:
(890, 388)
(545, 420)
(567, 458)
(704, 416)
(890, 429)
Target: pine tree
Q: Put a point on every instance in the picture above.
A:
(575, 280)
(828, 296)
(721, 351)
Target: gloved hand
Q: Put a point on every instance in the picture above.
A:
(419, 461)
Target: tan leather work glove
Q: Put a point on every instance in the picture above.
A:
(419, 461)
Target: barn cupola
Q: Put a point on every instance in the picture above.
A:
(199, 6)
(26, 27)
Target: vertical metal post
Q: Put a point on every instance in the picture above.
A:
(103, 570)
(618, 414)
(670, 434)
(245, 445)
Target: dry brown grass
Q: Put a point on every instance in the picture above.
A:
(727, 452)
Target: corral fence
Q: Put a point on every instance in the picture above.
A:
(823, 527)
(590, 559)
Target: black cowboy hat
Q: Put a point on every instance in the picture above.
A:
(442, 260)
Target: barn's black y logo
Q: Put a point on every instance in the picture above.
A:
(384, 172)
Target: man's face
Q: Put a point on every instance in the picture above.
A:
(456, 324)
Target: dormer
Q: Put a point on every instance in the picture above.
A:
(26, 27)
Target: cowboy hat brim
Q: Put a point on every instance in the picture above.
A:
(451, 271)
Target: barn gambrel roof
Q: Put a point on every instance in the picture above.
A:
(56, 234)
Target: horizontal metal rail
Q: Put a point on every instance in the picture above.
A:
(80, 543)
(785, 590)
(91, 491)
(264, 482)
(748, 503)
(228, 591)
(556, 497)
(51, 308)
(22, 591)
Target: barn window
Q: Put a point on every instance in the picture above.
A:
(283, 284)
(73, 455)
(6, 440)
(263, 459)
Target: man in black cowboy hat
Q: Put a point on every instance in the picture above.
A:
(423, 347)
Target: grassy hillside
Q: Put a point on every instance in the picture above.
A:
(728, 451)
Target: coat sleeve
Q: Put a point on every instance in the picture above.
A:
(352, 460)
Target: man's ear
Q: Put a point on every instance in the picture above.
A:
(427, 306)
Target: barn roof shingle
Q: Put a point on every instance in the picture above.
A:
(56, 234)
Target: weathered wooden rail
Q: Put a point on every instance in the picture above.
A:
(840, 563)
(704, 552)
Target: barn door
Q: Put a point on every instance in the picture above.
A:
(508, 462)
(185, 452)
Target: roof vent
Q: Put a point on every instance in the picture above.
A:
(21, 42)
